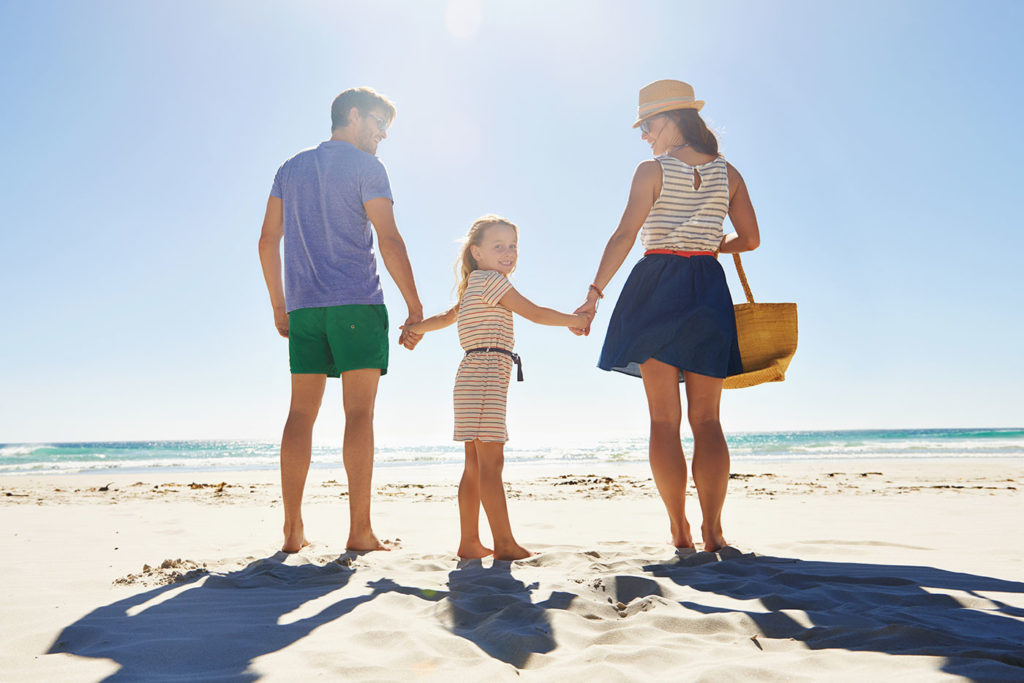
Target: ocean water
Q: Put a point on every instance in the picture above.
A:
(143, 456)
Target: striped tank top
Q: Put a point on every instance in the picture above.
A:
(685, 218)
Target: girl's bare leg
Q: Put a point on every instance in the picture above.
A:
(710, 454)
(661, 383)
(470, 546)
(491, 460)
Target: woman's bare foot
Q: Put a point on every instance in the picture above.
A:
(364, 542)
(713, 539)
(681, 537)
(514, 551)
(473, 550)
(294, 539)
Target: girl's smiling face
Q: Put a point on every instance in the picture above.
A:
(497, 249)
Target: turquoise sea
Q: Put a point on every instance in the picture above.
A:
(143, 456)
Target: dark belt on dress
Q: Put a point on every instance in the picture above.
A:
(514, 356)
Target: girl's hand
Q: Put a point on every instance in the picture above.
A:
(411, 334)
(589, 309)
(582, 327)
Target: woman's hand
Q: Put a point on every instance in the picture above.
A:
(588, 309)
(582, 326)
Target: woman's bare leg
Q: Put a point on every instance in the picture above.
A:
(470, 546)
(661, 383)
(710, 454)
(491, 460)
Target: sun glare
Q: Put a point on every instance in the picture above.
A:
(462, 18)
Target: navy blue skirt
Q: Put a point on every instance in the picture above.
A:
(678, 310)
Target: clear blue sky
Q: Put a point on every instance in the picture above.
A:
(880, 142)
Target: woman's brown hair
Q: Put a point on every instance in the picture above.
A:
(694, 130)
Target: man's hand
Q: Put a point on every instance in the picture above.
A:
(281, 322)
(408, 338)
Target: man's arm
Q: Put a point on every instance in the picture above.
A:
(270, 259)
(396, 260)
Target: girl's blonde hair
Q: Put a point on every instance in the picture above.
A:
(466, 264)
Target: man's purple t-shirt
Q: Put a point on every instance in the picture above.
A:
(328, 240)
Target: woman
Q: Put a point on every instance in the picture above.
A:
(674, 319)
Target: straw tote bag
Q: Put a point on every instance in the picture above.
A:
(767, 335)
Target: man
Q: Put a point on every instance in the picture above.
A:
(330, 305)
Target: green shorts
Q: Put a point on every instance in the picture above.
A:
(336, 339)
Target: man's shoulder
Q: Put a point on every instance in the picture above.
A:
(301, 154)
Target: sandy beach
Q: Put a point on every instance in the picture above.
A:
(882, 569)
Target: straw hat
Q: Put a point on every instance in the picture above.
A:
(662, 96)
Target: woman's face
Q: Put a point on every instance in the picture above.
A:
(661, 134)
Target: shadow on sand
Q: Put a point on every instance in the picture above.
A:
(891, 609)
(214, 628)
(495, 611)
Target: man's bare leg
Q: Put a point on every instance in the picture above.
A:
(359, 393)
(296, 447)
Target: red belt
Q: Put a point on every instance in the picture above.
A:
(676, 252)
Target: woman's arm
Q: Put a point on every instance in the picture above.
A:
(741, 212)
(434, 322)
(517, 303)
(642, 194)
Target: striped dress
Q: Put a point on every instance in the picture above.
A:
(685, 218)
(481, 384)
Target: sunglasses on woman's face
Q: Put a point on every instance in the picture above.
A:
(645, 125)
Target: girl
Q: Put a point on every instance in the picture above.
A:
(674, 319)
(486, 301)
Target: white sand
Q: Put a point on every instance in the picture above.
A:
(867, 569)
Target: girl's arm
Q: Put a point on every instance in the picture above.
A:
(741, 212)
(642, 193)
(517, 303)
(434, 322)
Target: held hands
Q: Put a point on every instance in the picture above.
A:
(411, 333)
(588, 309)
(582, 326)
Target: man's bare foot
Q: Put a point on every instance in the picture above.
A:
(364, 542)
(473, 550)
(511, 552)
(294, 541)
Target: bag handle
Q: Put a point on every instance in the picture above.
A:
(743, 278)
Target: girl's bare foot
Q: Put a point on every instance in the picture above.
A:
(513, 551)
(294, 540)
(473, 550)
(364, 542)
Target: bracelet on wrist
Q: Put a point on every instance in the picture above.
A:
(600, 294)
